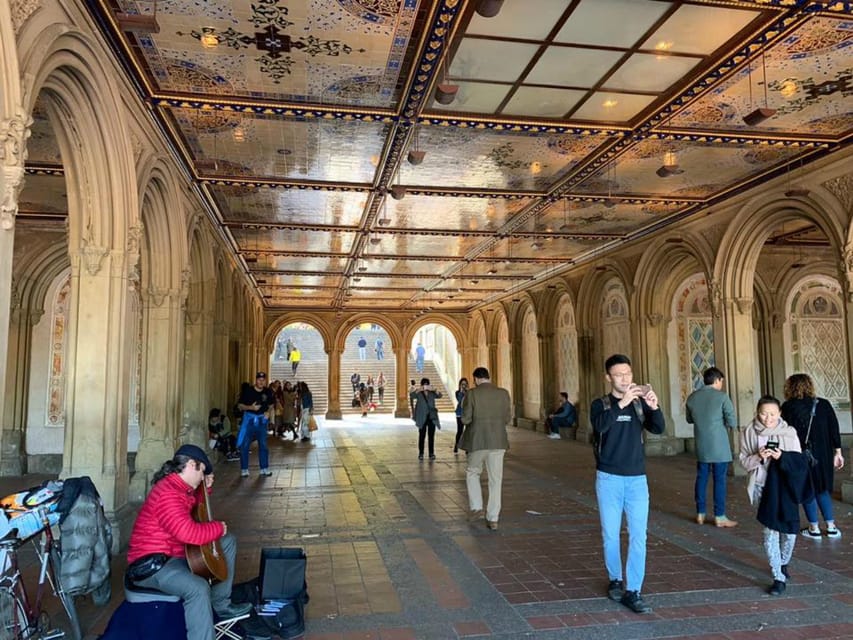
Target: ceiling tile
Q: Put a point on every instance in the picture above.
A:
(253, 239)
(476, 97)
(646, 72)
(616, 23)
(612, 107)
(453, 213)
(695, 29)
(572, 66)
(491, 59)
(531, 20)
(541, 102)
(294, 206)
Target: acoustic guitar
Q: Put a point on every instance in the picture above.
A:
(206, 560)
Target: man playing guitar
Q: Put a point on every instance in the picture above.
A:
(156, 553)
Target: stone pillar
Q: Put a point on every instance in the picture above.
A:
(737, 345)
(548, 376)
(588, 384)
(198, 361)
(492, 364)
(333, 412)
(469, 361)
(846, 276)
(160, 413)
(651, 369)
(98, 376)
(13, 154)
(403, 409)
(773, 334)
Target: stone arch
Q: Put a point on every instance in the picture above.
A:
(615, 318)
(290, 317)
(480, 341)
(529, 366)
(10, 92)
(164, 250)
(740, 248)
(452, 324)
(591, 289)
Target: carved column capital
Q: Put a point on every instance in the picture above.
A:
(155, 296)
(744, 305)
(715, 298)
(13, 182)
(654, 319)
(14, 133)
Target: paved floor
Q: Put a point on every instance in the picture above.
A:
(391, 554)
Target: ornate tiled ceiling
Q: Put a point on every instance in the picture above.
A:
(296, 118)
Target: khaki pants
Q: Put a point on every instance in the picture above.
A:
(494, 461)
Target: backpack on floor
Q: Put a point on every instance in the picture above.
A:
(287, 622)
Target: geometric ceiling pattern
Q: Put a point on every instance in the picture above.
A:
(296, 120)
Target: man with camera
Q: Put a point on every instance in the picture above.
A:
(618, 421)
(426, 416)
(711, 413)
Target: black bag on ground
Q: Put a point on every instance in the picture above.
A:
(288, 622)
(282, 574)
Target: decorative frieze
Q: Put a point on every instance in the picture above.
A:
(22, 10)
(842, 188)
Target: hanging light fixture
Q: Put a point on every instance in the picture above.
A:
(670, 166)
(610, 202)
(138, 23)
(415, 155)
(489, 8)
(759, 115)
(445, 92)
(565, 226)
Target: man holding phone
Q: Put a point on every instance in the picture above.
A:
(618, 421)
(426, 417)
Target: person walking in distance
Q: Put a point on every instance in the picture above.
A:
(426, 417)
(295, 359)
(379, 348)
(380, 386)
(618, 421)
(711, 413)
(254, 402)
(461, 390)
(420, 354)
(486, 411)
(362, 348)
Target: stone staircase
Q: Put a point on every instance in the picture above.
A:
(314, 370)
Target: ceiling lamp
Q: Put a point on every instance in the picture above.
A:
(445, 92)
(398, 192)
(138, 23)
(670, 166)
(759, 115)
(492, 271)
(489, 8)
(375, 240)
(416, 156)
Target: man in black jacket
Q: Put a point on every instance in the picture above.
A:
(618, 421)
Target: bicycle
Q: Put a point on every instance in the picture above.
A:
(20, 617)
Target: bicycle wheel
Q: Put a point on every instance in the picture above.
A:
(71, 625)
(13, 619)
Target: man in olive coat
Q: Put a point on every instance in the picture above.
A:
(486, 411)
(711, 412)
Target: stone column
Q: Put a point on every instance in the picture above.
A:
(735, 349)
(403, 409)
(333, 412)
(652, 370)
(846, 276)
(13, 154)
(198, 361)
(492, 365)
(469, 361)
(548, 374)
(98, 375)
(588, 384)
(160, 413)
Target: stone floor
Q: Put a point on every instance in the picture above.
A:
(391, 555)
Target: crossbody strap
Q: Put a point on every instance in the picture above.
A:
(811, 417)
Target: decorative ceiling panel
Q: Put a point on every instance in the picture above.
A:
(293, 206)
(604, 220)
(306, 240)
(300, 263)
(423, 245)
(453, 213)
(698, 29)
(573, 66)
(529, 20)
(614, 23)
(542, 103)
(476, 97)
(375, 264)
(708, 168)
(295, 284)
(809, 83)
(647, 72)
(271, 147)
(484, 159)
(612, 107)
(494, 60)
(323, 51)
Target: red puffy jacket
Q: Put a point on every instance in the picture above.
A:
(165, 523)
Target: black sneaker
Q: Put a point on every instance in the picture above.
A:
(634, 601)
(785, 572)
(420, 456)
(777, 588)
(615, 590)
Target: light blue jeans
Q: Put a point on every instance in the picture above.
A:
(629, 494)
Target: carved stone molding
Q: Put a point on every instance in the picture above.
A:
(654, 319)
(156, 296)
(35, 316)
(776, 320)
(744, 305)
(13, 182)
(93, 258)
(842, 188)
(715, 298)
(21, 10)
(14, 133)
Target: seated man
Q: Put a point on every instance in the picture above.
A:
(165, 524)
(219, 430)
(565, 416)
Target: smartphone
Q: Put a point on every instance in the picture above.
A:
(772, 445)
(643, 388)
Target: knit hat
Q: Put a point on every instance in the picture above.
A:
(197, 454)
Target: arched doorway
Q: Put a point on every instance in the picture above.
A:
(299, 354)
(434, 354)
(368, 360)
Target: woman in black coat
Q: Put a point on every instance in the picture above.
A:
(822, 439)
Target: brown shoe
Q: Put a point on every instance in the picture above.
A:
(492, 525)
(700, 518)
(475, 515)
(724, 522)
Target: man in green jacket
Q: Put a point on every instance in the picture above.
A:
(711, 412)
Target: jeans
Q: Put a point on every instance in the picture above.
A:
(253, 426)
(427, 429)
(703, 469)
(779, 548)
(419, 365)
(199, 598)
(494, 461)
(630, 494)
(362, 353)
(554, 424)
(460, 428)
(822, 500)
(380, 354)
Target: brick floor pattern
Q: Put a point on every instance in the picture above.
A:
(392, 556)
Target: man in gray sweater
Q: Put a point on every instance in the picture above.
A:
(711, 412)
